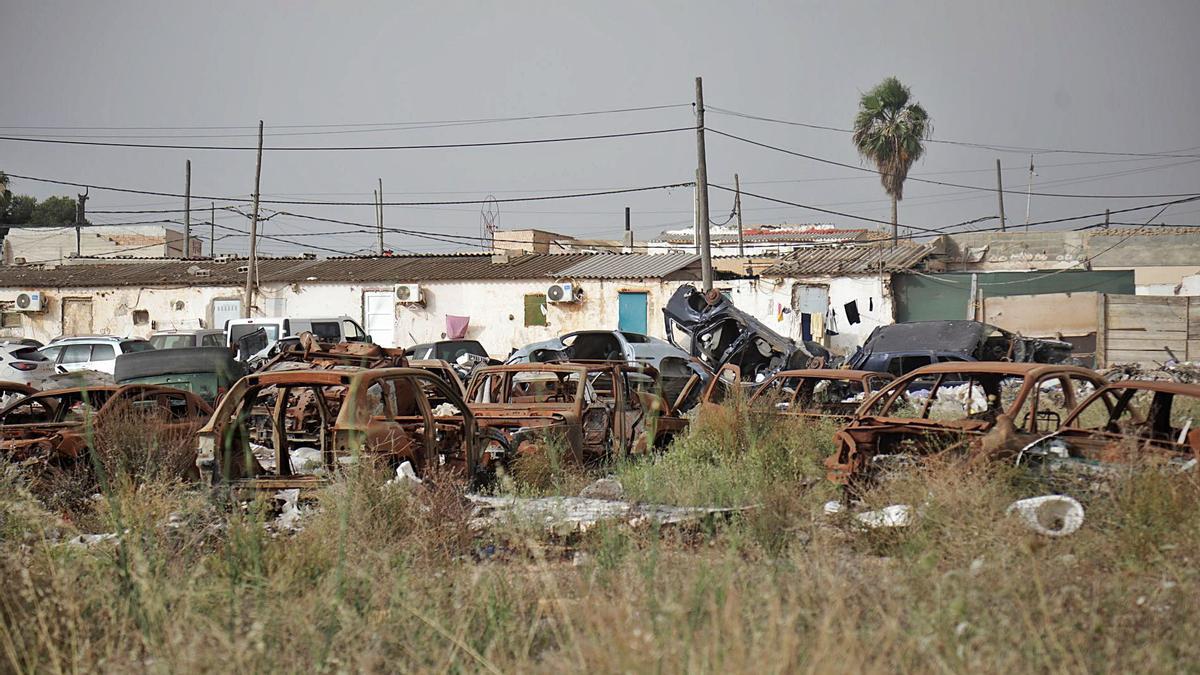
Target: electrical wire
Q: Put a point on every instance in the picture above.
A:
(326, 148)
(955, 185)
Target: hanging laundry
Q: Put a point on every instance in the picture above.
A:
(831, 327)
(852, 312)
(779, 311)
(456, 326)
(870, 304)
(806, 326)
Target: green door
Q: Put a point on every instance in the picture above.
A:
(631, 312)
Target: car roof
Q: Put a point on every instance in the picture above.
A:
(1178, 388)
(93, 338)
(832, 373)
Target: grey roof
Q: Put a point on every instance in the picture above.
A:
(377, 269)
(839, 260)
(632, 266)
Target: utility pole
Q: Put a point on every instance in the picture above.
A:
(380, 216)
(1107, 213)
(1000, 194)
(737, 206)
(252, 259)
(212, 231)
(80, 219)
(1029, 192)
(187, 211)
(706, 272)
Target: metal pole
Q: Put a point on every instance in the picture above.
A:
(737, 205)
(250, 262)
(380, 216)
(1000, 194)
(706, 272)
(187, 211)
(212, 231)
(80, 219)
(1029, 192)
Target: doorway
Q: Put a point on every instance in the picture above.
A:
(379, 317)
(631, 311)
(77, 316)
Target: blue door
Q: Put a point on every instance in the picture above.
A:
(632, 312)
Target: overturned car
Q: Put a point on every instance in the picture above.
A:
(710, 327)
(903, 347)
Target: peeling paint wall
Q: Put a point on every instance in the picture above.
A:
(496, 308)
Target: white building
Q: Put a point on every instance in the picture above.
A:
(504, 297)
(760, 240)
(39, 245)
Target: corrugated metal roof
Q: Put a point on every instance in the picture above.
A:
(630, 265)
(382, 269)
(834, 260)
(783, 235)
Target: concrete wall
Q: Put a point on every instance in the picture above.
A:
(54, 244)
(496, 308)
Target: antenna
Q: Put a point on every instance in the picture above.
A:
(488, 214)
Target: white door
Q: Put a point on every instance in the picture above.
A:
(379, 317)
(224, 310)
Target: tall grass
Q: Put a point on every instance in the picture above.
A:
(394, 578)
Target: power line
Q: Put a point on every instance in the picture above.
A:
(325, 148)
(981, 146)
(954, 185)
(538, 198)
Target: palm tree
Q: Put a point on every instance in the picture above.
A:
(889, 131)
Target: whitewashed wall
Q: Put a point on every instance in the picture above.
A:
(496, 308)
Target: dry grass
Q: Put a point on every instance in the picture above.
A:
(393, 579)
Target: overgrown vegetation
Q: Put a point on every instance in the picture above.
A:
(386, 577)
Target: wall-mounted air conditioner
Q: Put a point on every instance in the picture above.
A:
(33, 301)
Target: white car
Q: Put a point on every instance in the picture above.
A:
(24, 364)
(96, 352)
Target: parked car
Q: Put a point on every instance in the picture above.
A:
(183, 338)
(330, 330)
(1123, 423)
(447, 350)
(900, 348)
(709, 327)
(289, 429)
(986, 409)
(600, 411)
(95, 352)
(207, 372)
(24, 364)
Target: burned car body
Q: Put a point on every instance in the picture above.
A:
(900, 348)
(985, 409)
(288, 429)
(818, 392)
(56, 428)
(598, 411)
(710, 327)
(1121, 424)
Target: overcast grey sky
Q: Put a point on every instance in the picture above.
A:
(1104, 76)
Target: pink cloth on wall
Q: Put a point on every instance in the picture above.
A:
(456, 326)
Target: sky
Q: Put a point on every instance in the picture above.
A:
(1102, 77)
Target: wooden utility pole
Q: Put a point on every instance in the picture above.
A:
(212, 230)
(706, 273)
(253, 258)
(1107, 213)
(737, 206)
(80, 219)
(187, 210)
(1000, 194)
(380, 217)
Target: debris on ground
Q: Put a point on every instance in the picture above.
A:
(578, 514)
(89, 540)
(896, 515)
(1050, 515)
(405, 475)
(604, 488)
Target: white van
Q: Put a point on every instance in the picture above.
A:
(335, 329)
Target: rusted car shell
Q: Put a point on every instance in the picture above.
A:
(867, 379)
(354, 428)
(858, 441)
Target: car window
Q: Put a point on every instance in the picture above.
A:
(635, 338)
(27, 354)
(76, 354)
(170, 341)
(326, 331)
(352, 331)
(243, 329)
(899, 365)
(51, 352)
(212, 340)
(30, 411)
(130, 346)
(103, 352)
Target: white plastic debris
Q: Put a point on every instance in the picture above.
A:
(91, 539)
(291, 513)
(834, 507)
(896, 515)
(405, 475)
(1050, 515)
(446, 409)
(306, 460)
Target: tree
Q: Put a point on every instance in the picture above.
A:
(889, 131)
(54, 211)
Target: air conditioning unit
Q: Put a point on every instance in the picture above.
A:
(31, 302)
(410, 293)
(564, 293)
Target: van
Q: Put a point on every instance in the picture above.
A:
(335, 329)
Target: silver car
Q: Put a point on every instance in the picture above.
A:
(24, 364)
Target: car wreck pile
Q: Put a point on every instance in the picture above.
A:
(295, 419)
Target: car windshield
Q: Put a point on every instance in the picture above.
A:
(172, 341)
(815, 394)
(241, 330)
(526, 387)
(130, 346)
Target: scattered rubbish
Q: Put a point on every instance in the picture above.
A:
(87, 540)
(896, 515)
(405, 475)
(834, 507)
(579, 514)
(446, 410)
(1051, 515)
(291, 514)
(604, 488)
